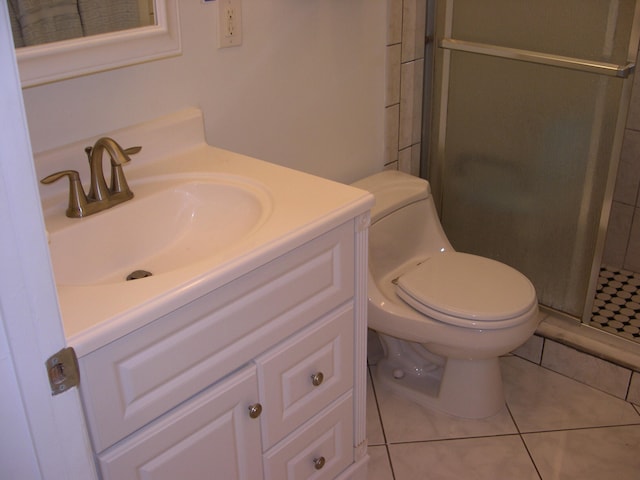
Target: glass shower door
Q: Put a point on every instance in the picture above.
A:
(529, 111)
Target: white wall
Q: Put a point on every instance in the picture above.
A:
(305, 89)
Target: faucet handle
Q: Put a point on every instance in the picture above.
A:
(77, 198)
(118, 180)
(132, 150)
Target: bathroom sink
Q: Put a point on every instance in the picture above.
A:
(201, 217)
(172, 222)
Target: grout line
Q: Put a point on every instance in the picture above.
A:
(393, 473)
(524, 443)
(499, 435)
(375, 397)
(513, 419)
(533, 462)
(577, 429)
(626, 394)
(384, 434)
(438, 440)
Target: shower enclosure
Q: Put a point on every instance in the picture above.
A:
(525, 129)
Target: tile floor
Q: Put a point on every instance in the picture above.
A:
(616, 307)
(551, 428)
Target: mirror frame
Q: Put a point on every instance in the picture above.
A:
(51, 62)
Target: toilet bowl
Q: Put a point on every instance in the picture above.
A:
(443, 317)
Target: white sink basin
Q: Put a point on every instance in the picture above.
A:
(171, 223)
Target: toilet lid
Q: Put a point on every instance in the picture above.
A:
(467, 290)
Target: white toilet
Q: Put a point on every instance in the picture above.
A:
(443, 317)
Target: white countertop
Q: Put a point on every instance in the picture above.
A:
(302, 206)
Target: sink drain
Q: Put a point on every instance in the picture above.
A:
(138, 274)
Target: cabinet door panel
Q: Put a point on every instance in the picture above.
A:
(210, 437)
(319, 450)
(290, 393)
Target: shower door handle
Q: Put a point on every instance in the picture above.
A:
(592, 66)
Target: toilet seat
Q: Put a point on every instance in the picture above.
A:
(468, 291)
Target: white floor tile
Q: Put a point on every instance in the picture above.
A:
(571, 431)
(588, 454)
(491, 458)
(405, 421)
(374, 428)
(540, 400)
(379, 468)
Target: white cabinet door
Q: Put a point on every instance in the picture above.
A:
(210, 437)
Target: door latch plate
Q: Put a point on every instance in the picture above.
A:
(63, 372)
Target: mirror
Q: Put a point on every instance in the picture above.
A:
(110, 42)
(34, 22)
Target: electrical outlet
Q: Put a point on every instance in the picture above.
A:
(229, 23)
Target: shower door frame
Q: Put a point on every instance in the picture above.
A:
(439, 48)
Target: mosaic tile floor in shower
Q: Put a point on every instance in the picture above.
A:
(616, 307)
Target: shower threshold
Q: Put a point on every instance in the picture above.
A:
(589, 355)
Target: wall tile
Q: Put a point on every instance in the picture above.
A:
(409, 160)
(634, 389)
(411, 103)
(615, 247)
(391, 166)
(392, 92)
(587, 369)
(394, 19)
(404, 82)
(626, 189)
(413, 29)
(391, 127)
(632, 258)
(628, 178)
(633, 119)
(531, 350)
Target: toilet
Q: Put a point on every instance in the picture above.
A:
(443, 317)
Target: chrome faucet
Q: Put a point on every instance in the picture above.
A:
(100, 196)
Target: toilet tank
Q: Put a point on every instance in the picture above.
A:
(393, 190)
(405, 228)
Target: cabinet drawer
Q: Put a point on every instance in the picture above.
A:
(211, 436)
(137, 378)
(305, 374)
(325, 442)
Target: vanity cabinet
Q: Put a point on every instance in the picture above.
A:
(261, 378)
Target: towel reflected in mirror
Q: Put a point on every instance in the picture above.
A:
(34, 22)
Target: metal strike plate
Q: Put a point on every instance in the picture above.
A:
(63, 372)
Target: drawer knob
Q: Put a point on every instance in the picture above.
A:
(317, 379)
(255, 410)
(318, 463)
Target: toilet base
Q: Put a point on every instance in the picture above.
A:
(463, 388)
